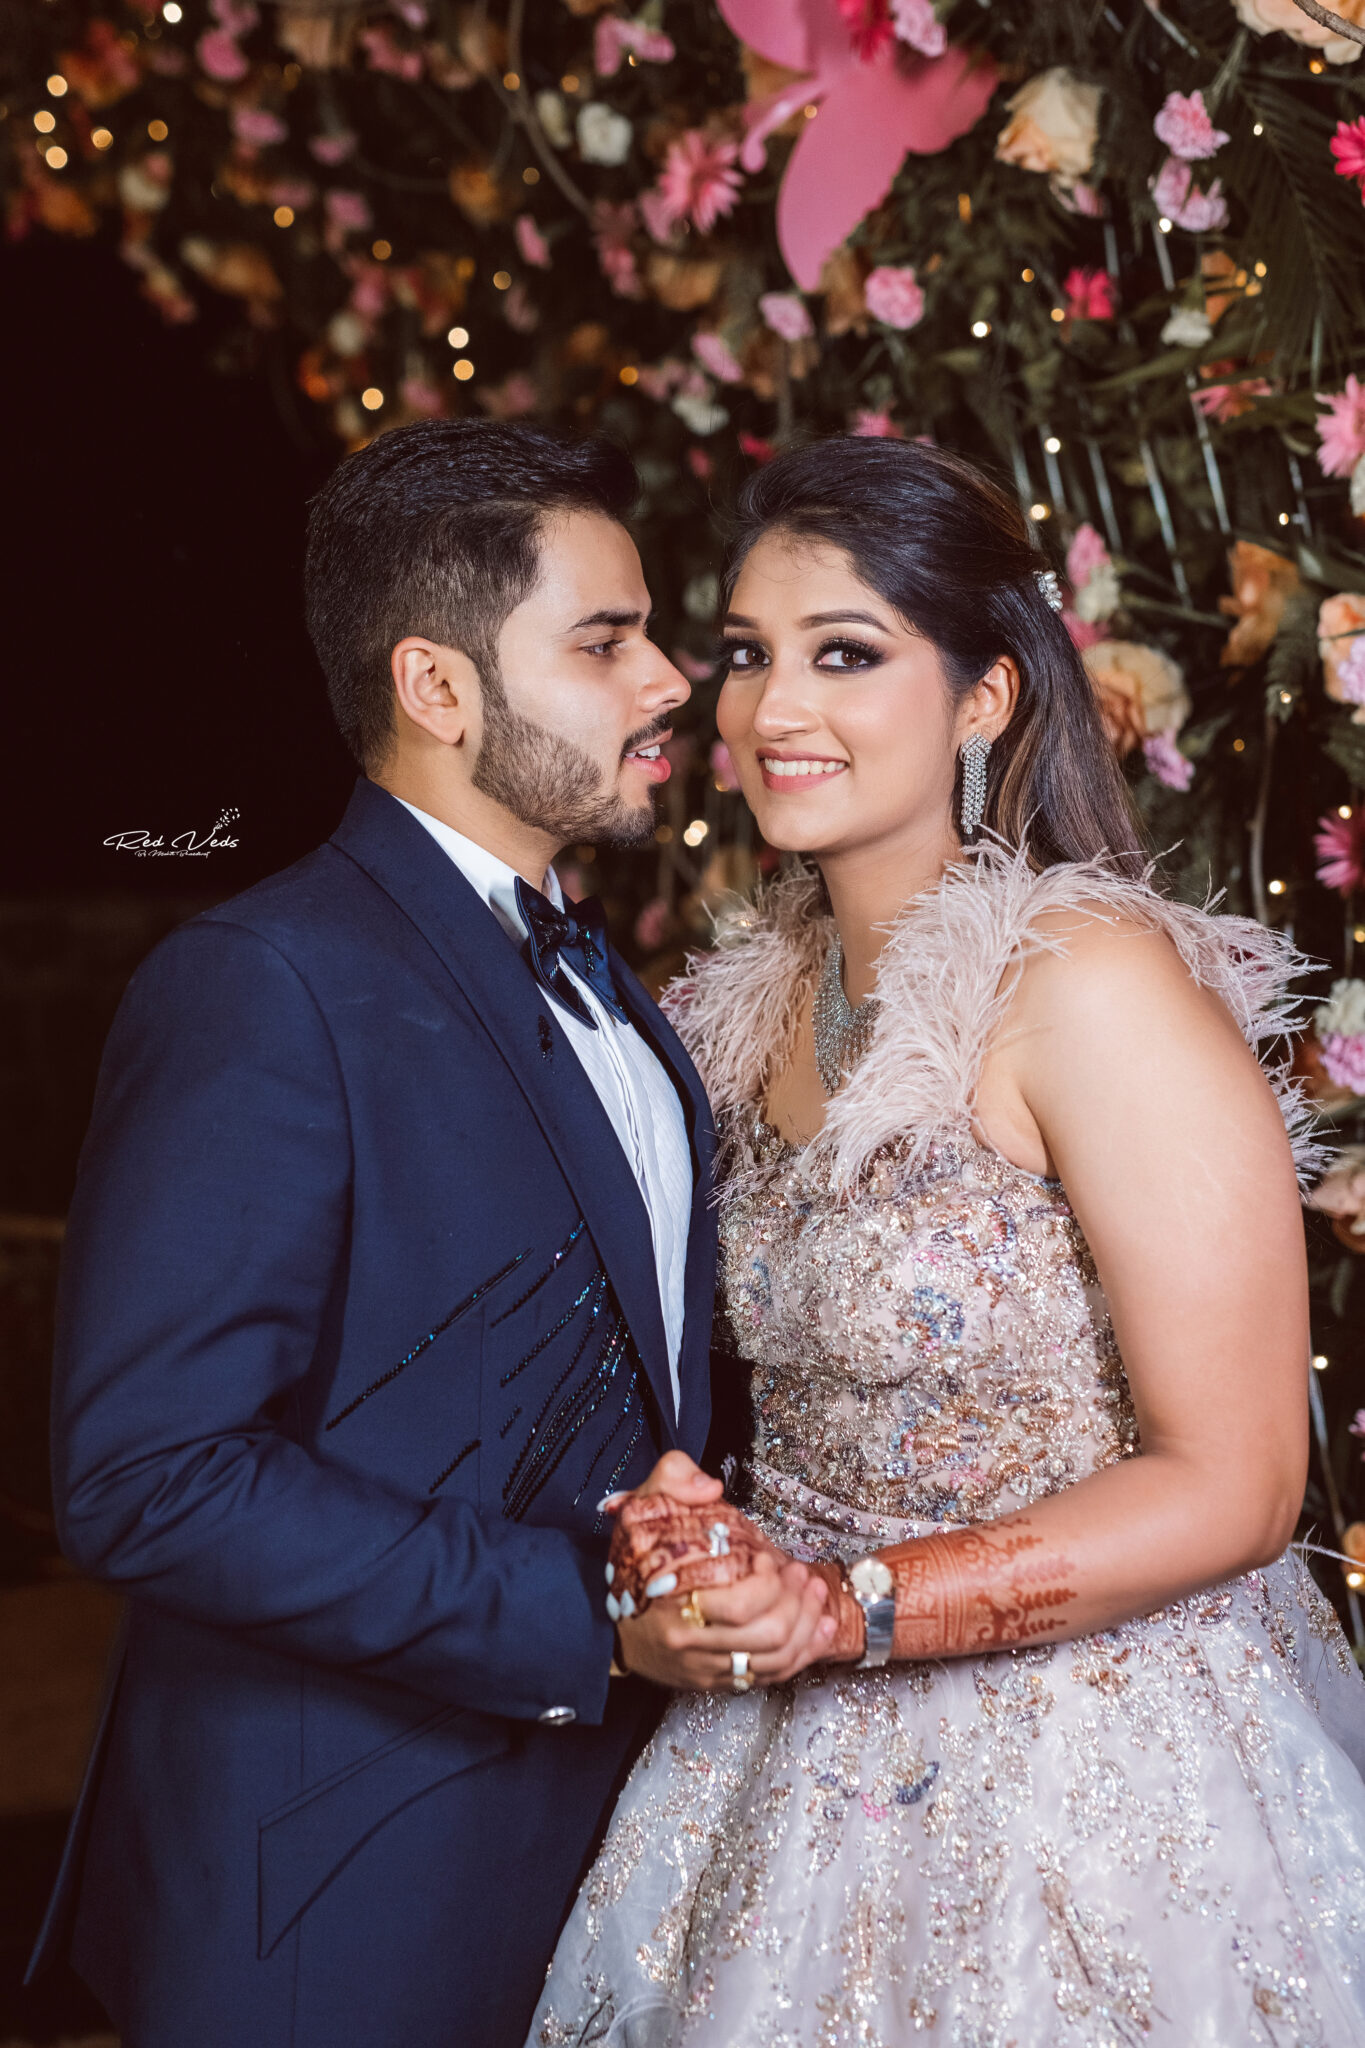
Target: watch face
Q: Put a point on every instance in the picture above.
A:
(872, 1579)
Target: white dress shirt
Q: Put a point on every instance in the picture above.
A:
(633, 1087)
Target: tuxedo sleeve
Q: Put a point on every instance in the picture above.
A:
(207, 1239)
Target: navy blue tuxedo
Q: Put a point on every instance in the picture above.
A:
(359, 1320)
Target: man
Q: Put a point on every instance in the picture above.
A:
(390, 1258)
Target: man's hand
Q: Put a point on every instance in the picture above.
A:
(778, 1614)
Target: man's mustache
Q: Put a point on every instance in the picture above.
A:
(647, 735)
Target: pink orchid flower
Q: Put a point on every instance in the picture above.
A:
(873, 109)
(616, 39)
(531, 244)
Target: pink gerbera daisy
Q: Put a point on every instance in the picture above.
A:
(1339, 844)
(698, 180)
(1348, 147)
(1341, 429)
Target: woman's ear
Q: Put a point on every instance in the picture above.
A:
(989, 706)
(436, 687)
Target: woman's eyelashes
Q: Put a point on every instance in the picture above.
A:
(836, 657)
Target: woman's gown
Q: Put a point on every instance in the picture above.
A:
(1155, 1834)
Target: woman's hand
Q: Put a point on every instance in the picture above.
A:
(662, 1545)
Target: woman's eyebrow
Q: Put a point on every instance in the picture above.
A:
(840, 618)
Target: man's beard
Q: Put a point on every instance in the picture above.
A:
(550, 782)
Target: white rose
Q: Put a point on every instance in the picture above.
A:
(1098, 597)
(603, 135)
(1054, 125)
(347, 332)
(1187, 327)
(1344, 1010)
(702, 415)
(701, 595)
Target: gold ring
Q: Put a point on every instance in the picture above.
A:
(691, 1611)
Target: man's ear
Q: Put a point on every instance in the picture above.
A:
(437, 689)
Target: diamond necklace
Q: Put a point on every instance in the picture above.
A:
(841, 1033)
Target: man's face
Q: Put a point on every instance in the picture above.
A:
(572, 723)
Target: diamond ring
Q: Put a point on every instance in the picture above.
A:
(740, 1680)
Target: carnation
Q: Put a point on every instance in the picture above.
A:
(604, 136)
(1341, 429)
(1187, 327)
(894, 296)
(1140, 691)
(1180, 199)
(698, 180)
(1343, 1011)
(1184, 126)
(715, 356)
(1341, 647)
(916, 23)
(786, 314)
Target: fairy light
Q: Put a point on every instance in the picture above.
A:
(465, 267)
(102, 138)
(696, 832)
(381, 250)
(1286, 697)
(372, 398)
(1040, 511)
(1164, 225)
(1239, 746)
(56, 157)
(463, 369)
(1277, 889)
(284, 216)
(1343, 810)
(628, 374)
(157, 130)
(1053, 445)
(1258, 128)
(56, 85)
(172, 12)
(810, 112)
(1284, 521)
(569, 82)
(502, 280)
(1316, 66)
(1259, 268)
(1058, 313)
(1355, 1580)
(1359, 934)
(44, 121)
(511, 81)
(1027, 276)
(530, 176)
(458, 337)
(1319, 1361)
(663, 835)
(981, 328)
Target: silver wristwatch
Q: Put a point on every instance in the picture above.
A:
(874, 1589)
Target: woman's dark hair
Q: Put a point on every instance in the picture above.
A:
(950, 551)
(434, 528)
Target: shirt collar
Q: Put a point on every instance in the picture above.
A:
(490, 878)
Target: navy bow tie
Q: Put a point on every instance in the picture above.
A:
(574, 938)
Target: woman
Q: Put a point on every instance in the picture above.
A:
(1013, 1255)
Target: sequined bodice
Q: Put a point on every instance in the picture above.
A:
(935, 1349)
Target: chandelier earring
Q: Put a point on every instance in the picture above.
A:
(974, 754)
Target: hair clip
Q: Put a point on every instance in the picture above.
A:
(1046, 579)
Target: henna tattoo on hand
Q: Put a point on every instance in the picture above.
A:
(658, 1539)
(978, 1589)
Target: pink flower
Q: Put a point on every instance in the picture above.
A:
(657, 213)
(869, 425)
(1339, 844)
(712, 352)
(1186, 129)
(612, 229)
(615, 37)
(1343, 1057)
(660, 380)
(531, 243)
(698, 182)
(520, 310)
(257, 125)
(370, 292)
(1165, 760)
(1078, 197)
(387, 55)
(419, 395)
(220, 56)
(332, 149)
(755, 447)
(347, 211)
(894, 296)
(1180, 199)
(875, 101)
(516, 396)
(1084, 632)
(238, 17)
(700, 463)
(1357, 1427)
(1348, 147)
(652, 924)
(787, 315)
(723, 767)
(1341, 429)
(1086, 554)
(1090, 294)
(1229, 401)
(1351, 672)
(916, 23)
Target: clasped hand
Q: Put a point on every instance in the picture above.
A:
(754, 1597)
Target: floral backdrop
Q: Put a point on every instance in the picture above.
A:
(1115, 250)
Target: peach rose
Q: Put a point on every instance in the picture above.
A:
(1340, 1194)
(1054, 125)
(1341, 639)
(1264, 17)
(1140, 691)
(1262, 584)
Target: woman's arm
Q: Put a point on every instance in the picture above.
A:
(1137, 1088)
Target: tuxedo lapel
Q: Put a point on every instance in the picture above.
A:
(406, 862)
(694, 1364)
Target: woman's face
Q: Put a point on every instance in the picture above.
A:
(836, 714)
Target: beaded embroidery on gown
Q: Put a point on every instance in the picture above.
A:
(1151, 1835)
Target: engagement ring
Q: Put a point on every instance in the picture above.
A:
(740, 1680)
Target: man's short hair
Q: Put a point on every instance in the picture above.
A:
(434, 529)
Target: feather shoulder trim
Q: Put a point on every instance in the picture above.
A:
(940, 989)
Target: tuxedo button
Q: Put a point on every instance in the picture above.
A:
(558, 1717)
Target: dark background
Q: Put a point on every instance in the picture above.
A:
(157, 673)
